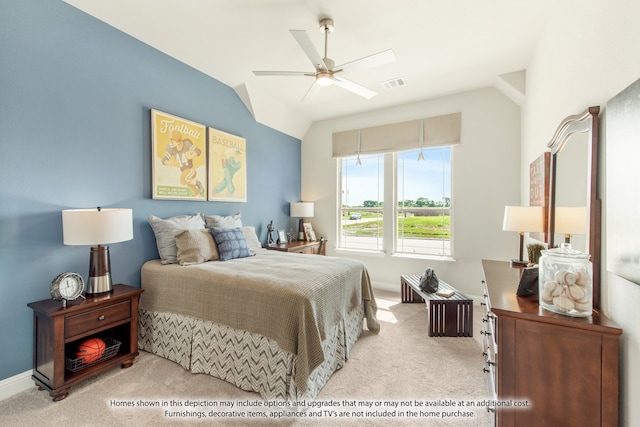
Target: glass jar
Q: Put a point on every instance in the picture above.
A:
(566, 281)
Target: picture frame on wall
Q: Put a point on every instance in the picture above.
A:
(179, 153)
(227, 167)
(623, 203)
(310, 235)
(539, 175)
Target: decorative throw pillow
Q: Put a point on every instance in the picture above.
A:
(165, 231)
(231, 243)
(253, 242)
(196, 246)
(230, 221)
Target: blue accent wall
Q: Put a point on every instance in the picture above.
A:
(75, 100)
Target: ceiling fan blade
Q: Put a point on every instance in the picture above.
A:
(312, 92)
(281, 73)
(375, 60)
(354, 87)
(305, 43)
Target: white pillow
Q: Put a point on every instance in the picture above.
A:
(165, 231)
(230, 221)
(250, 235)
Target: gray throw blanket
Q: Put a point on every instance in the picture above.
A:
(293, 299)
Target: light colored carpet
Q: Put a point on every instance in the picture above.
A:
(401, 366)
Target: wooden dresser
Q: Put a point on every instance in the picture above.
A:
(564, 369)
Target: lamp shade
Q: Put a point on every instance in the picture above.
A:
(96, 226)
(523, 218)
(571, 220)
(301, 210)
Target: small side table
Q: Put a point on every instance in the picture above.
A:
(58, 331)
(301, 247)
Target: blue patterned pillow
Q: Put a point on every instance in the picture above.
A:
(231, 243)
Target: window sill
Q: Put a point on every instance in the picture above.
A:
(421, 256)
(365, 252)
(380, 254)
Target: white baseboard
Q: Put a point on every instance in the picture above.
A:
(16, 384)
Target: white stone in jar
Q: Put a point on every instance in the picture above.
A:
(577, 293)
(570, 278)
(549, 286)
(582, 278)
(582, 306)
(559, 276)
(563, 303)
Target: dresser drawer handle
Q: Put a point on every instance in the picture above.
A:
(101, 317)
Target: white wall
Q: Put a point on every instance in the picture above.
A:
(589, 52)
(486, 177)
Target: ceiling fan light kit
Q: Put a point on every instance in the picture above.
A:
(325, 68)
(324, 78)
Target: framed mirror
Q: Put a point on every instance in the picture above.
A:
(574, 203)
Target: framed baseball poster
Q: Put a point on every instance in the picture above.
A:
(179, 153)
(227, 167)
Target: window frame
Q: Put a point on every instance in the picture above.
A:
(391, 210)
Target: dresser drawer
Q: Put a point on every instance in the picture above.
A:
(100, 318)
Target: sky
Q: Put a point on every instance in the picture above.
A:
(429, 178)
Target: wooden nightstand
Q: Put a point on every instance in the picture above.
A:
(301, 247)
(58, 331)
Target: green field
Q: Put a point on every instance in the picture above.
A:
(421, 227)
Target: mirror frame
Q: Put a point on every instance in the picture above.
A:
(581, 123)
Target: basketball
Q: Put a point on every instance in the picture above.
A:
(90, 350)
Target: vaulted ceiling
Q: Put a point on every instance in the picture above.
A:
(441, 47)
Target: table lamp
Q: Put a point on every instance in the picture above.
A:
(522, 219)
(570, 221)
(97, 228)
(301, 210)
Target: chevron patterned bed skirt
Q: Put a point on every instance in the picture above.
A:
(248, 360)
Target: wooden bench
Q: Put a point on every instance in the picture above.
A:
(448, 317)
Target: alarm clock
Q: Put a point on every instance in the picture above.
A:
(67, 287)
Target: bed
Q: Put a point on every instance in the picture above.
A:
(275, 323)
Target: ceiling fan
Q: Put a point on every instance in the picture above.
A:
(325, 69)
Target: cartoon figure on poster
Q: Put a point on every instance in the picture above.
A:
(180, 153)
(227, 167)
(230, 165)
(179, 158)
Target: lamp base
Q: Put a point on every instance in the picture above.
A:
(301, 235)
(99, 285)
(99, 271)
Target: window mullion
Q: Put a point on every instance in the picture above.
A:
(390, 202)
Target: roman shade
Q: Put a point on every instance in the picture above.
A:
(427, 132)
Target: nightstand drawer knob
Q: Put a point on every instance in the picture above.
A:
(101, 317)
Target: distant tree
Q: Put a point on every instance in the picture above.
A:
(370, 204)
(447, 202)
(407, 204)
(422, 202)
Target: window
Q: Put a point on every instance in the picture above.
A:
(362, 201)
(424, 201)
(417, 197)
